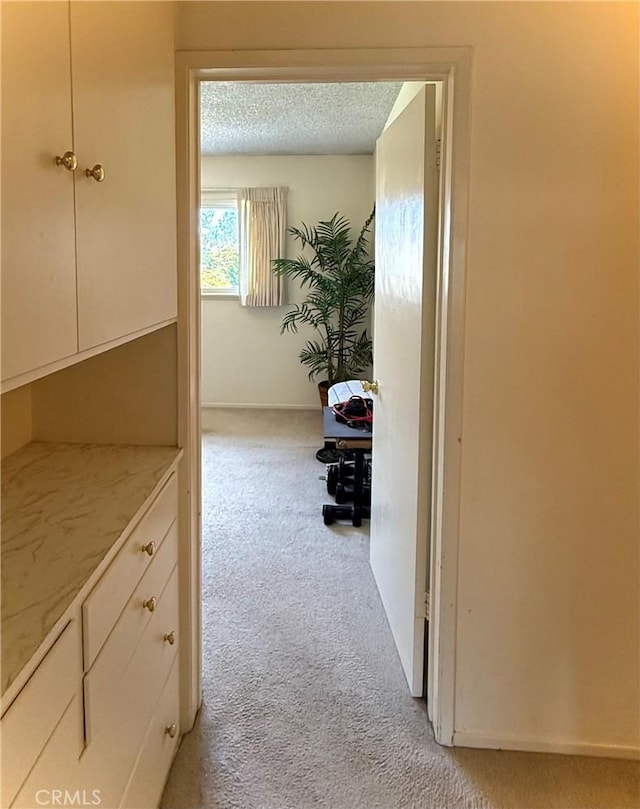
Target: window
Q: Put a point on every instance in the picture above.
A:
(219, 245)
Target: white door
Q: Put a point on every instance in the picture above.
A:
(406, 261)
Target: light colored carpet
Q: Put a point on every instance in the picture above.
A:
(305, 703)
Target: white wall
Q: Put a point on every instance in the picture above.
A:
(547, 631)
(258, 365)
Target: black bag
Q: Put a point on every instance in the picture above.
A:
(357, 412)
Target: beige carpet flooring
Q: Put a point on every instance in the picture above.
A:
(305, 703)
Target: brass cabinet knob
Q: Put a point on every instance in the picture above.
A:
(149, 548)
(68, 160)
(97, 172)
(170, 637)
(150, 604)
(370, 387)
(171, 730)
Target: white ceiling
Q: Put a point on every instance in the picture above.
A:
(243, 118)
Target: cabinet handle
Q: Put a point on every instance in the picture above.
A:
(149, 548)
(68, 160)
(97, 172)
(170, 637)
(150, 604)
(171, 730)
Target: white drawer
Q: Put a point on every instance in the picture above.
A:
(114, 657)
(126, 706)
(32, 717)
(108, 598)
(145, 786)
(56, 766)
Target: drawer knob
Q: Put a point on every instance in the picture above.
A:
(171, 730)
(149, 548)
(150, 604)
(170, 637)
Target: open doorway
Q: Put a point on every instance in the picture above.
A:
(238, 66)
(314, 143)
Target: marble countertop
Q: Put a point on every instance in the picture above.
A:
(64, 506)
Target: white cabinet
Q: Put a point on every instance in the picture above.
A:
(57, 764)
(127, 685)
(108, 598)
(91, 717)
(123, 96)
(85, 263)
(120, 707)
(39, 323)
(32, 718)
(148, 779)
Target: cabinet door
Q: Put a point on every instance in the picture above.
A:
(39, 323)
(123, 90)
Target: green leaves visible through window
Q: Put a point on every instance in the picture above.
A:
(219, 249)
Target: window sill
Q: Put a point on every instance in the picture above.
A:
(220, 296)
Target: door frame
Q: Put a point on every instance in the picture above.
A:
(452, 66)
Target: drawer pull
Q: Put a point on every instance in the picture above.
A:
(150, 604)
(171, 730)
(170, 637)
(149, 548)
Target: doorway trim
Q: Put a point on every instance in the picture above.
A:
(452, 66)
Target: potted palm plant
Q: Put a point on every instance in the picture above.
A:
(338, 275)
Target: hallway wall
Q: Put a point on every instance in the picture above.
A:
(547, 606)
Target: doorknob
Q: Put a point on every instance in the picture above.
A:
(370, 387)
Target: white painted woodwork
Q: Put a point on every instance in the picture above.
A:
(28, 723)
(123, 90)
(125, 636)
(39, 321)
(150, 773)
(109, 597)
(189, 432)
(128, 704)
(406, 222)
(56, 766)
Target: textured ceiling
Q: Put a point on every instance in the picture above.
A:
(243, 118)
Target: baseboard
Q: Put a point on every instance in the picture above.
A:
(466, 739)
(244, 406)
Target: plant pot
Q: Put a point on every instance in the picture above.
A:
(323, 390)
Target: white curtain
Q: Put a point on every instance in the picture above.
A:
(262, 214)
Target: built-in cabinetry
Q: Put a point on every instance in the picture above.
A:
(90, 676)
(91, 616)
(88, 179)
